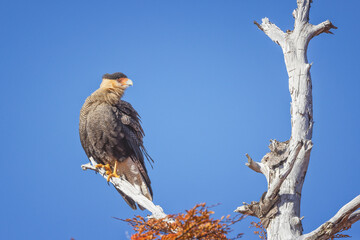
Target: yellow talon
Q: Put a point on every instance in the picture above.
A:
(112, 175)
(106, 167)
(108, 170)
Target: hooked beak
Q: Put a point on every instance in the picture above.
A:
(125, 82)
(129, 82)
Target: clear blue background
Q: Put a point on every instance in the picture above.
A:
(210, 87)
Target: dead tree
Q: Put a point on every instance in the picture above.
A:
(286, 164)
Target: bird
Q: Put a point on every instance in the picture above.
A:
(111, 133)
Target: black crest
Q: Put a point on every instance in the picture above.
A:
(116, 75)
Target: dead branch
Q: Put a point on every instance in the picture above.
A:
(129, 190)
(342, 220)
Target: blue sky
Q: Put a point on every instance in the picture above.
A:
(210, 87)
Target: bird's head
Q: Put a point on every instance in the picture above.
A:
(116, 80)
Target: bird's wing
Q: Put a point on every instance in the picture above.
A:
(132, 120)
(133, 133)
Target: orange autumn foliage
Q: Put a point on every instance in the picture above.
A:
(196, 223)
(261, 231)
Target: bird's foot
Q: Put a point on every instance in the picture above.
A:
(113, 174)
(106, 167)
(108, 171)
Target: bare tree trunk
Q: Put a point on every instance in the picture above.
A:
(286, 165)
(294, 46)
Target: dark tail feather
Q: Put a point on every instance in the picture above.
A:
(135, 173)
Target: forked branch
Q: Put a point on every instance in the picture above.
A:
(129, 190)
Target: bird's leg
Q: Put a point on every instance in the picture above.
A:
(106, 167)
(113, 174)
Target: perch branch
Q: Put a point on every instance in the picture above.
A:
(129, 190)
(272, 31)
(343, 219)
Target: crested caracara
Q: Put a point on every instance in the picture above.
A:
(110, 133)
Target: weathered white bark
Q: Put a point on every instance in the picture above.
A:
(129, 190)
(286, 165)
(283, 161)
(257, 167)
